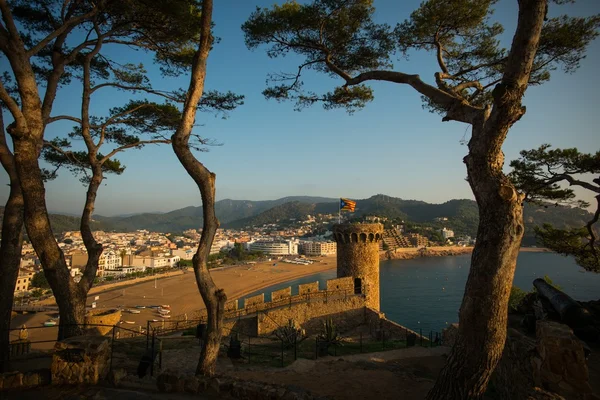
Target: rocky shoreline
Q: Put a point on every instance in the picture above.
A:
(408, 254)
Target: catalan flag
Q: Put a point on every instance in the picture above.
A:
(346, 204)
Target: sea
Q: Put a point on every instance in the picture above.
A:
(425, 293)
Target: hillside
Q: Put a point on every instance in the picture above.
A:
(462, 215)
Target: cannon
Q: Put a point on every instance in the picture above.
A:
(571, 312)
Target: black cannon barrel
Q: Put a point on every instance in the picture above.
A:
(570, 311)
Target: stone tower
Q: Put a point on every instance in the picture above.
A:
(358, 257)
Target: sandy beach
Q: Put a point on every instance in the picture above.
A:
(181, 292)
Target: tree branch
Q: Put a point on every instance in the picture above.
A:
(466, 85)
(590, 229)
(161, 93)
(67, 26)
(440, 57)
(9, 20)
(62, 118)
(457, 108)
(131, 145)
(12, 105)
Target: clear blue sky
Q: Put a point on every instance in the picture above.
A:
(392, 147)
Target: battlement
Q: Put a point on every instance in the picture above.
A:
(336, 289)
(357, 233)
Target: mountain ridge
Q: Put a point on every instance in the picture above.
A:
(462, 214)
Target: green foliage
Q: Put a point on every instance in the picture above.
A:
(290, 334)
(540, 174)
(39, 281)
(339, 38)
(329, 333)
(323, 32)
(516, 297)
(36, 293)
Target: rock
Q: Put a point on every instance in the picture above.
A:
(31, 379)
(80, 360)
(562, 367)
(191, 385)
(166, 382)
(213, 386)
(12, 380)
(449, 335)
(116, 375)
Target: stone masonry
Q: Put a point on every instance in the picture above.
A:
(358, 257)
(80, 360)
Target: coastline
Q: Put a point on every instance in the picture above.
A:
(441, 251)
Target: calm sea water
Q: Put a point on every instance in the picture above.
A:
(425, 293)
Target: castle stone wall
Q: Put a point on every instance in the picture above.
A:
(308, 288)
(281, 294)
(358, 257)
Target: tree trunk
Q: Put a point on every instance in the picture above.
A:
(69, 297)
(94, 249)
(484, 310)
(214, 298)
(10, 247)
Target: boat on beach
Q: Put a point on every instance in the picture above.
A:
(165, 306)
(134, 311)
(50, 322)
(129, 322)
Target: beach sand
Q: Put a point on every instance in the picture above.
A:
(181, 292)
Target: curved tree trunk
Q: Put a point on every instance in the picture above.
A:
(68, 294)
(214, 298)
(94, 249)
(484, 310)
(10, 247)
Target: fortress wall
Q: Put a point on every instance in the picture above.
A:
(346, 312)
(231, 305)
(378, 322)
(346, 283)
(308, 288)
(281, 294)
(255, 301)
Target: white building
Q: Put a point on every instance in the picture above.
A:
(447, 233)
(154, 262)
(184, 254)
(314, 248)
(24, 280)
(109, 261)
(279, 248)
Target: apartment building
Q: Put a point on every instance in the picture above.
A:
(275, 247)
(24, 280)
(318, 248)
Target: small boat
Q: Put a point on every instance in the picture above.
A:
(134, 311)
(166, 316)
(164, 312)
(165, 306)
(154, 320)
(140, 307)
(50, 322)
(130, 322)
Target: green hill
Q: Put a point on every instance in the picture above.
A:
(462, 215)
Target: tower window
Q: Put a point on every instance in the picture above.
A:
(357, 286)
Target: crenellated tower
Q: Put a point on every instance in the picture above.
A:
(358, 257)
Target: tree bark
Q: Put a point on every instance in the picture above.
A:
(484, 310)
(68, 294)
(214, 298)
(10, 246)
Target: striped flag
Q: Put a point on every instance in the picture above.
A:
(346, 204)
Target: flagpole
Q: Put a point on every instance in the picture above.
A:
(340, 212)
